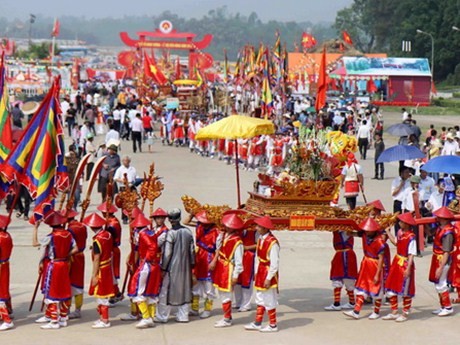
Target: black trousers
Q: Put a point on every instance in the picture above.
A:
(363, 143)
(379, 170)
(137, 140)
(351, 202)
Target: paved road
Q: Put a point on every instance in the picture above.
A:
(304, 288)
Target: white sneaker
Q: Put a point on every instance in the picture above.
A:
(437, 311)
(182, 320)
(373, 316)
(351, 313)
(205, 314)
(128, 317)
(243, 310)
(390, 317)
(193, 312)
(63, 323)
(145, 323)
(156, 319)
(348, 306)
(401, 318)
(43, 319)
(269, 329)
(446, 312)
(333, 307)
(100, 324)
(76, 314)
(6, 326)
(252, 327)
(223, 323)
(51, 325)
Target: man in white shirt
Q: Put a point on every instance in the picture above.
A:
(65, 105)
(112, 135)
(137, 129)
(426, 186)
(450, 145)
(398, 186)
(116, 114)
(436, 198)
(364, 138)
(127, 169)
(408, 204)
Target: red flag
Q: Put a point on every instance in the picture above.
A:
(371, 87)
(308, 41)
(433, 88)
(322, 83)
(178, 71)
(151, 70)
(56, 28)
(347, 38)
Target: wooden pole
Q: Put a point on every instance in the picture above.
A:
(238, 192)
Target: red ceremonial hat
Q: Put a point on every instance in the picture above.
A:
(69, 213)
(4, 221)
(232, 221)
(103, 208)
(444, 212)
(407, 218)
(369, 224)
(140, 221)
(94, 220)
(134, 213)
(377, 204)
(55, 218)
(265, 222)
(202, 217)
(159, 212)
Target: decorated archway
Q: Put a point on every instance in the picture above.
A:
(166, 38)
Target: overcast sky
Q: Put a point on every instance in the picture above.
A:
(298, 10)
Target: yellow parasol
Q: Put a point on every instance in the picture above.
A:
(236, 127)
(186, 82)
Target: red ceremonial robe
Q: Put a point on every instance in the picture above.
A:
(6, 247)
(344, 264)
(57, 274)
(395, 281)
(369, 265)
(77, 262)
(222, 274)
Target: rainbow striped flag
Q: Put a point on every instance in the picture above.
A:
(37, 161)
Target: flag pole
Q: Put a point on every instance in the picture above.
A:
(238, 192)
(53, 43)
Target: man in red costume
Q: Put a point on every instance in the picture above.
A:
(370, 275)
(455, 267)
(206, 237)
(443, 245)
(102, 276)
(144, 287)
(114, 227)
(59, 246)
(266, 279)
(344, 270)
(244, 287)
(377, 209)
(228, 264)
(77, 263)
(6, 247)
(401, 279)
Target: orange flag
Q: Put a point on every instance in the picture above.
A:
(322, 83)
(347, 38)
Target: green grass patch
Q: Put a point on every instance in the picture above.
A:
(432, 110)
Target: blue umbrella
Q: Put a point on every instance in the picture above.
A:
(400, 153)
(400, 130)
(443, 164)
